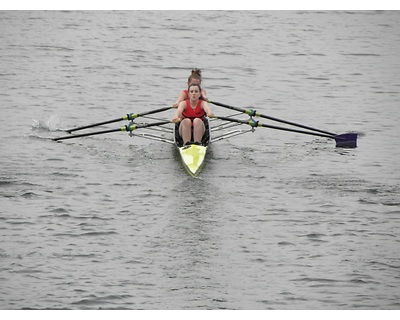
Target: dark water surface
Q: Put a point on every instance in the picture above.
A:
(276, 220)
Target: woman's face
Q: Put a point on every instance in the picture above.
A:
(194, 92)
(194, 81)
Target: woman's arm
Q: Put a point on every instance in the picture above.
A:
(178, 113)
(204, 94)
(180, 98)
(207, 109)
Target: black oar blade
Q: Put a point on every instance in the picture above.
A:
(346, 140)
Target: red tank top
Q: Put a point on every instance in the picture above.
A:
(191, 113)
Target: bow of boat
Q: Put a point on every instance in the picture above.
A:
(193, 157)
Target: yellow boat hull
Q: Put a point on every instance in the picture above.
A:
(193, 158)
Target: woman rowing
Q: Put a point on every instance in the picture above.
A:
(194, 78)
(190, 113)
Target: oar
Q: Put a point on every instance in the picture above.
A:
(347, 140)
(129, 116)
(254, 113)
(129, 127)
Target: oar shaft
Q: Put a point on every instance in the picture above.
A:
(346, 140)
(129, 116)
(254, 113)
(297, 125)
(129, 127)
(298, 131)
(133, 116)
(86, 134)
(228, 106)
(95, 124)
(258, 124)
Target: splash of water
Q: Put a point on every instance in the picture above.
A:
(50, 124)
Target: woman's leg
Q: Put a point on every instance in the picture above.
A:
(185, 130)
(198, 130)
